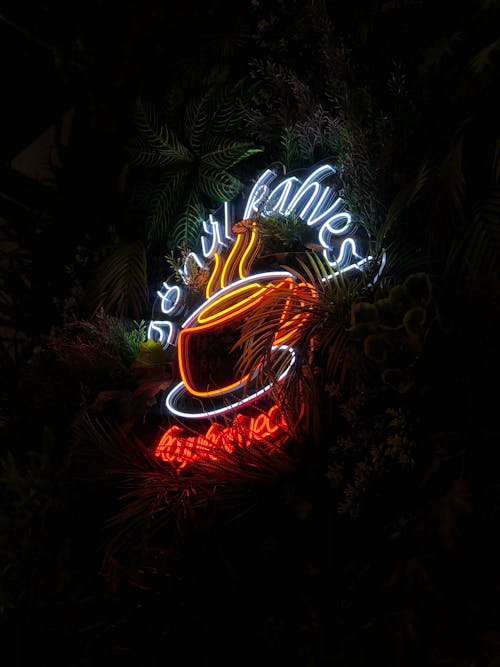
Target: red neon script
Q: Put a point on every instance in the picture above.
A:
(179, 448)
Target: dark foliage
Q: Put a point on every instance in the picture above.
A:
(370, 539)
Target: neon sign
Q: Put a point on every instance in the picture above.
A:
(315, 203)
(231, 293)
(230, 296)
(179, 448)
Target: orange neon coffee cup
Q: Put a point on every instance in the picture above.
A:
(217, 324)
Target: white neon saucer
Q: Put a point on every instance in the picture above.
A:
(224, 402)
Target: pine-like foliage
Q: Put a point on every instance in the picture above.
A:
(156, 496)
(186, 161)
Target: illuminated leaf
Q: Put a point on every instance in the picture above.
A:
(225, 153)
(219, 185)
(156, 145)
(191, 156)
(196, 119)
(187, 227)
(150, 353)
(228, 110)
(163, 205)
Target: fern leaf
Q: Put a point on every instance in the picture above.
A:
(223, 153)
(156, 145)
(218, 185)
(187, 229)
(228, 111)
(196, 119)
(163, 204)
(120, 284)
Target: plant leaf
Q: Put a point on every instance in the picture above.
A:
(196, 119)
(187, 228)
(218, 185)
(120, 283)
(156, 144)
(224, 153)
(163, 204)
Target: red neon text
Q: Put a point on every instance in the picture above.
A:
(179, 448)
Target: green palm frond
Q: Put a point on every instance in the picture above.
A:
(283, 233)
(156, 144)
(163, 200)
(335, 345)
(327, 322)
(228, 109)
(330, 321)
(403, 258)
(196, 120)
(189, 161)
(221, 153)
(219, 186)
(187, 228)
(319, 274)
(120, 283)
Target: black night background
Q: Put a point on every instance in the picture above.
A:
(370, 535)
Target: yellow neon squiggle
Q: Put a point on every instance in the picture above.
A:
(251, 243)
(213, 275)
(230, 260)
(229, 301)
(289, 325)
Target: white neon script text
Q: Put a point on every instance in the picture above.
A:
(315, 203)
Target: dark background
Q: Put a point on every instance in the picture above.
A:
(411, 581)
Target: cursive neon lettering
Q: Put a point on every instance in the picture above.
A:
(214, 229)
(310, 182)
(178, 448)
(318, 206)
(276, 201)
(171, 299)
(163, 331)
(258, 193)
